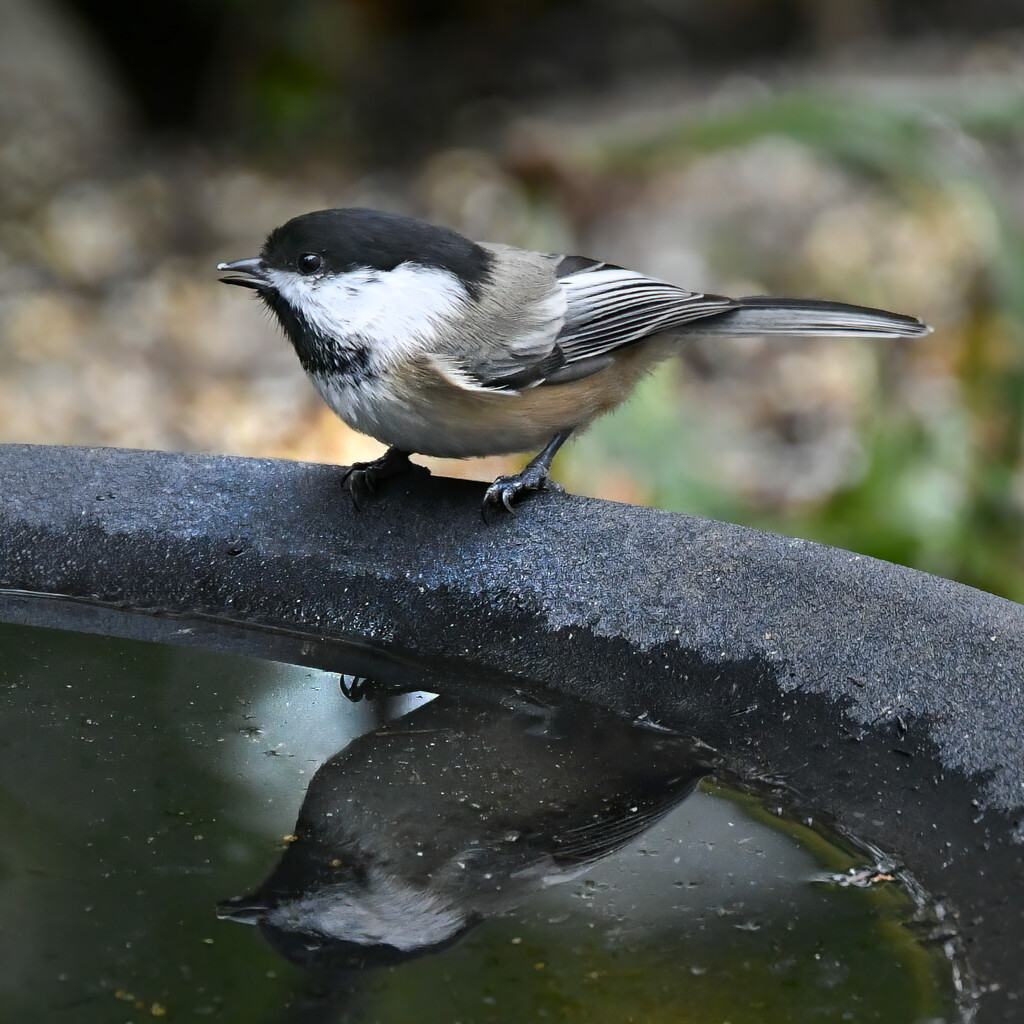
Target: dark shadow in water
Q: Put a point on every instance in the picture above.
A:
(418, 831)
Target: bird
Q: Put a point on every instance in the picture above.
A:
(438, 345)
(462, 810)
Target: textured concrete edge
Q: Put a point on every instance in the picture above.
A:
(887, 701)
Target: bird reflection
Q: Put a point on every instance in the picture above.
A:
(454, 813)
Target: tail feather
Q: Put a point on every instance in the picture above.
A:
(760, 314)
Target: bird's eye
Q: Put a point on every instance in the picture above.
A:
(310, 262)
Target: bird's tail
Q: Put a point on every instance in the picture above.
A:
(760, 314)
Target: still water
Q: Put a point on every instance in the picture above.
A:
(198, 836)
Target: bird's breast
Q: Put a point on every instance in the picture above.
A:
(415, 410)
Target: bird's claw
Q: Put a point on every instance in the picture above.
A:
(508, 489)
(359, 482)
(362, 478)
(355, 688)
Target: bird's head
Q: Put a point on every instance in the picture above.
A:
(350, 277)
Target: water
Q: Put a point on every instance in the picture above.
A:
(498, 860)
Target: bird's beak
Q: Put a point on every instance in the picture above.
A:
(244, 909)
(247, 273)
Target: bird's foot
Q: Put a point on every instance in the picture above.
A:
(361, 478)
(508, 489)
(355, 688)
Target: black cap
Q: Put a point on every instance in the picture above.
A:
(349, 238)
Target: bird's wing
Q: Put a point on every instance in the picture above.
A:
(601, 308)
(609, 307)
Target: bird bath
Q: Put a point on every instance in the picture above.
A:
(870, 717)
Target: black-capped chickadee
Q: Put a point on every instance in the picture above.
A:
(435, 344)
(416, 832)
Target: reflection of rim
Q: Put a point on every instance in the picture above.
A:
(222, 633)
(886, 701)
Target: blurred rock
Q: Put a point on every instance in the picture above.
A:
(60, 115)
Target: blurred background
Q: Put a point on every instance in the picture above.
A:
(864, 150)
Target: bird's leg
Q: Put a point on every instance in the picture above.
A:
(507, 489)
(361, 478)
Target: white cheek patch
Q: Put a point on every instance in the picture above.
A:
(390, 308)
(385, 910)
